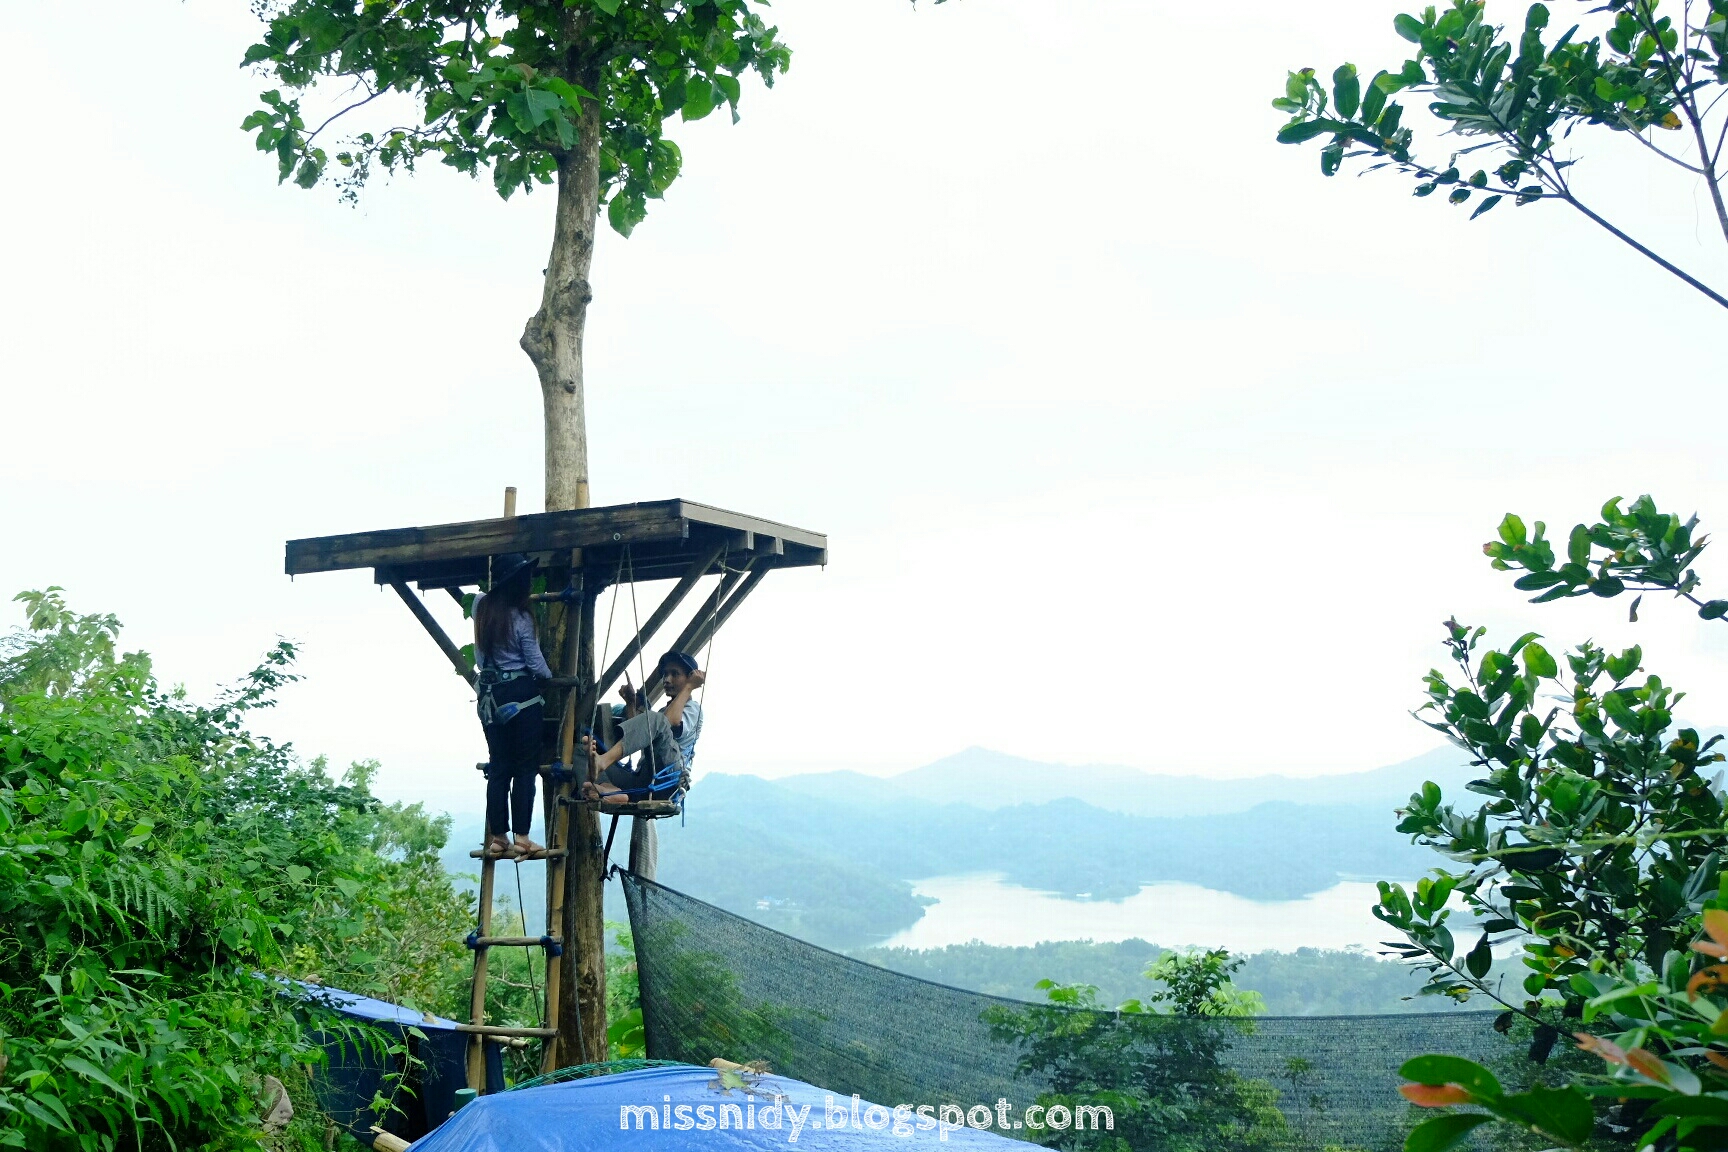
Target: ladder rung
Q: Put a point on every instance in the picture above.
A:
(517, 941)
(549, 854)
(490, 1030)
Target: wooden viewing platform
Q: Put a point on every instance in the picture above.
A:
(582, 552)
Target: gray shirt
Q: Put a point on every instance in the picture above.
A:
(689, 731)
(520, 651)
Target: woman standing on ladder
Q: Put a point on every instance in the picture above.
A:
(510, 704)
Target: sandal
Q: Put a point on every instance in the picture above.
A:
(496, 848)
(525, 848)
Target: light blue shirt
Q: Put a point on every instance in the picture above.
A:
(689, 731)
(521, 650)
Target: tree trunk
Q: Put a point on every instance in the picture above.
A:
(553, 336)
(553, 341)
(581, 1021)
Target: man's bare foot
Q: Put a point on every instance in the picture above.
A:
(614, 798)
(602, 760)
(590, 790)
(525, 847)
(497, 846)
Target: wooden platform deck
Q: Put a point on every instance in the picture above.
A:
(663, 537)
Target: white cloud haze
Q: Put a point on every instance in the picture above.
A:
(1137, 440)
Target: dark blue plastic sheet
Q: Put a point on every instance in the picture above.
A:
(346, 1086)
(586, 1116)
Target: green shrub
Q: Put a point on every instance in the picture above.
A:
(160, 866)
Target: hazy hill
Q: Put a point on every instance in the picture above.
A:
(830, 857)
(981, 778)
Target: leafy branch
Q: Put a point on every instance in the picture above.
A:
(1519, 98)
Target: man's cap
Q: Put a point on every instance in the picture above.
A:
(683, 659)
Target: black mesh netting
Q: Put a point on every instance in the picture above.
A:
(715, 984)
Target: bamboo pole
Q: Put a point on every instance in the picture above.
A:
(560, 871)
(477, 1000)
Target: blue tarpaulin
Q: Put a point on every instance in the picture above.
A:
(346, 1086)
(687, 1107)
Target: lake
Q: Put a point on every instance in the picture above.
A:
(984, 907)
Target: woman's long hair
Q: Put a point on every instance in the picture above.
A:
(492, 616)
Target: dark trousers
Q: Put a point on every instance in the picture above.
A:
(514, 753)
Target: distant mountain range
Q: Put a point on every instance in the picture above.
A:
(831, 856)
(980, 778)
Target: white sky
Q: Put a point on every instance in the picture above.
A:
(1136, 439)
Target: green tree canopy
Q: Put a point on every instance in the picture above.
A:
(506, 86)
(576, 94)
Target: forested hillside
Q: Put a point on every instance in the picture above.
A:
(1307, 982)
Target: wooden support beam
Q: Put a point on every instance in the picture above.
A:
(491, 1030)
(702, 629)
(439, 636)
(692, 576)
(383, 1141)
(729, 581)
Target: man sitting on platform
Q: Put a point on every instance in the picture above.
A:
(665, 739)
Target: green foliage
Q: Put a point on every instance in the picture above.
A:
(156, 861)
(1198, 984)
(1599, 850)
(60, 651)
(508, 85)
(1163, 1077)
(624, 1031)
(1558, 1114)
(1514, 97)
(1599, 837)
(1640, 549)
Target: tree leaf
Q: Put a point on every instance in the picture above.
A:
(1480, 958)
(1346, 91)
(84, 1068)
(1440, 1069)
(699, 98)
(1408, 27)
(1539, 662)
(1444, 1132)
(1302, 130)
(1564, 1113)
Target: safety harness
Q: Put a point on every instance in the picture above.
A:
(492, 712)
